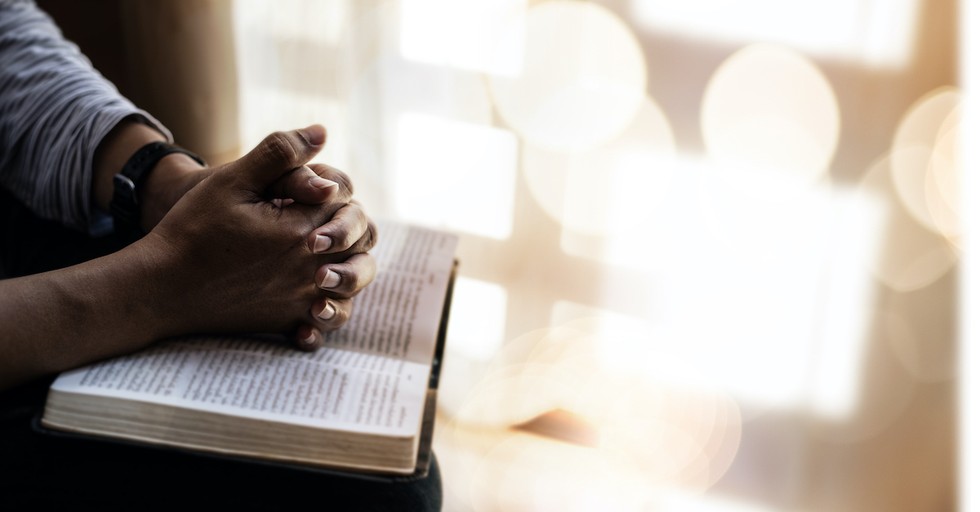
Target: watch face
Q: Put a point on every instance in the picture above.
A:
(124, 186)
(125, 205)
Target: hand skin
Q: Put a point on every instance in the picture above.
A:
(177, 173)
(224, 258)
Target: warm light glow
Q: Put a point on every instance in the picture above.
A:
(389, 88)
(717, 320)
(888, 389)
(582, 80)
(770, 114)
(840, 353)
(476, 327)
(877, 33)
(530, 375)
(943, 182)
(783, 284)
(912, 256)
(392, 86)
(466, 35)
(378, 86)
(455, 175)
(290, 20)
(658, 433)
(270, 110)
(668, 228)
(791, 288)
(525, 473)
(689, 502)
(613, 189)
(656, 413)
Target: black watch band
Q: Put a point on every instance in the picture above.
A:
(128, 184)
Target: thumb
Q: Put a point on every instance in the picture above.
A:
(277, 154)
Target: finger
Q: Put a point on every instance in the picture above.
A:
(329, 314)
(349, 227)
(305, 186)
(278, 154)
(308, 338)
(345, 185)
(346, 279)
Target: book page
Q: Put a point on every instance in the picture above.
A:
(399, 313)
(258, 379)
(371, 377)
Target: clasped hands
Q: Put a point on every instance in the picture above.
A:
(265, 243)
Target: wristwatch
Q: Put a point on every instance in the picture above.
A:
(128, 184)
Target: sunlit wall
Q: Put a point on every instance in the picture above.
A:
(709, 248)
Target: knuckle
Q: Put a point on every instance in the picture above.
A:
(279, 148)
(372, 270)
(343, 180)
(351, 238)
(372, 234)
(298, 232)
(356, 272)
(369, 239)
(341, 227)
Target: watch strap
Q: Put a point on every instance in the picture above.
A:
(128, 184)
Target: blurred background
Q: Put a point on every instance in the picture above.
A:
(709, 249)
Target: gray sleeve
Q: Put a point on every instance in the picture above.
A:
(55, 108)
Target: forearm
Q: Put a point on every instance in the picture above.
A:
(62, 319)
(56, 111)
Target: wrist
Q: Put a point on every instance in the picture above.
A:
(170, 179)
(113, 152)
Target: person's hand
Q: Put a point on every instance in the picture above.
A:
(348, 235)
(176, 174)
(311, 185)
(240, 262)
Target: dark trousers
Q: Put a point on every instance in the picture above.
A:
(43, 470)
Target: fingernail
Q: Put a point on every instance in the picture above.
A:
(322, 183)
(331, 280)
(328, 312)
(322, 243)
(315, 134)
(309, 340)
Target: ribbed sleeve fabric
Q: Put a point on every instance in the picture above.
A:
(55, 108)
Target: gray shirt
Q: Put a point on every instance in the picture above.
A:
(55, 108)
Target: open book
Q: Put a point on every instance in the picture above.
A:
(364, 402)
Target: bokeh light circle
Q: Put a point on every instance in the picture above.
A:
(770, 116)
(943, 181)
(613, 188)
(582, 80)
(529, 376)
(910, 256)
(656, 430)
(924, 160)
